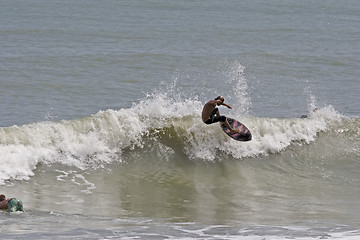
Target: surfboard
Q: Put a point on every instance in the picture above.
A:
(244, 133)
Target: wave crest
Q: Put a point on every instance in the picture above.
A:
(170, 127)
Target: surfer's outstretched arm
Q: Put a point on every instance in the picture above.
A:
(226, 105)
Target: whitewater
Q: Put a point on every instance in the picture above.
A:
(101, 134)
(100, 139)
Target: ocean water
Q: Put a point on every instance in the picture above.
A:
(100, 127)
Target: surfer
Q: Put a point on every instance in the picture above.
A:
(211, 114)
(11, 204)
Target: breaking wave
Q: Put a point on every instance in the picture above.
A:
(166, 124)
(169, 127)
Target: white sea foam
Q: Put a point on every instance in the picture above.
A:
(101, 138)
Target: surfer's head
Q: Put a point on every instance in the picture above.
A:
(221, 98)
(2, 197)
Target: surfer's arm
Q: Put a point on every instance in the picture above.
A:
(226, 105)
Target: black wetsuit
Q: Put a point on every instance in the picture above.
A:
(213, 118)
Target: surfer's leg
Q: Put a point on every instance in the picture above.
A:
(213, 117)
(214, 114)
(229, 127)
(221, 119)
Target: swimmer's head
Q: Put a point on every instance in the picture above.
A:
(221, 98)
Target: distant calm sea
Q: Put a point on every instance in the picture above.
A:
(100, 119)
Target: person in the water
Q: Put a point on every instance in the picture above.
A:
(11, 204)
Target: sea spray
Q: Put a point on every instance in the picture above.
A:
(235, 78)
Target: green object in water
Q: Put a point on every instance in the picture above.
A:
(15, 205)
